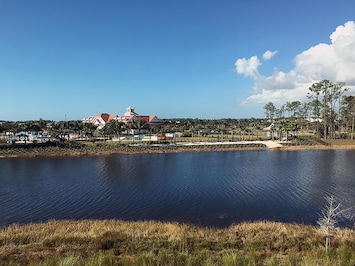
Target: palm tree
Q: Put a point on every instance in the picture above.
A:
(89, 129)
(76, 126)
(138, 124)
(41, 124)
(114, 128)
(57, 129)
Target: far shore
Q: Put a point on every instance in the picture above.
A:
(110, 148)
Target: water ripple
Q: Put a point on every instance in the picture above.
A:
(213, 189)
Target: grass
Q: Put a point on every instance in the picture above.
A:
(112, 242)
(106, 148)
(341, 142)
(312, 141)
(88, 148)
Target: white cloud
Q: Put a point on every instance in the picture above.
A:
(248, 67)
(334, 61)
(269, 54)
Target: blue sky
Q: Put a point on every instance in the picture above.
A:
(174, 59)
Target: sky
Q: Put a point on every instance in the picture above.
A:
(70, 59)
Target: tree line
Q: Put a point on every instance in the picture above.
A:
(62, 129)
(332, 112)
(329, 113)
(114, 128)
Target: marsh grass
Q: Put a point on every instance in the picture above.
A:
(112, 242)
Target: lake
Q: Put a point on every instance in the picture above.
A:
(207, 188)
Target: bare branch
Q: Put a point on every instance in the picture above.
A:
(329, 217)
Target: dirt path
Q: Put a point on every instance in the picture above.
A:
(269, 143)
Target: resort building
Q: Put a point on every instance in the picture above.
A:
(130, 115)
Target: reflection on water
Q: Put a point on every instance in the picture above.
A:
(213, 188)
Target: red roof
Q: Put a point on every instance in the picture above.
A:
(144, 117)
(106, 117)
(111, 117)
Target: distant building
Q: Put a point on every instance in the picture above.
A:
(272, 130)
(312, 119)
(100, 120)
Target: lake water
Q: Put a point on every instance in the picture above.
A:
(208, 189)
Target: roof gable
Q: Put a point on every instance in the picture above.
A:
(104, 116)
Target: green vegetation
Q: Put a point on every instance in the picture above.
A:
(341, 142)
(90, 148)
(308, 141)
(329, 114)
(111, 242)
(107, 148)
(332, 112)
(191, 129)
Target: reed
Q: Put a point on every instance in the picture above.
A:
(112, 242)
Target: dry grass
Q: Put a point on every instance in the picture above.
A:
(342, 142)
(153, 243)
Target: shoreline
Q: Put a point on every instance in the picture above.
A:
(119, 150)
(75, 150)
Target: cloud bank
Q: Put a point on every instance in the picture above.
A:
(334, 61)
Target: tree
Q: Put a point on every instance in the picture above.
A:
(293, 108)
(305, 113)
(89, 129)
(329, 217)
(270, 110)
(280, 113)
(315, 90)
(76, 126)
(348, 112)
(138, 124)
(32, 126)
(330, 93)
(113, 128)
(284, 126)
(336, 90)
(59, 130)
